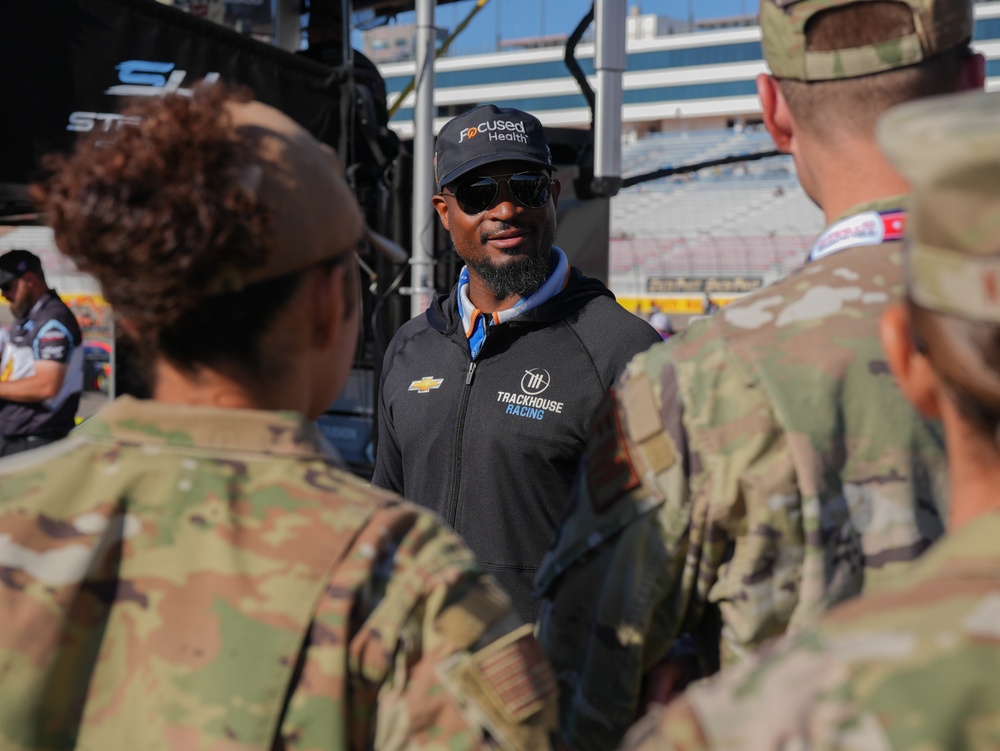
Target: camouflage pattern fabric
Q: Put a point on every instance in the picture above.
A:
(912, 667)
(946, 147)
(741, 479)
(940, 25)
(188, 578)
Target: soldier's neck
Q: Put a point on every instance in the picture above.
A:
(973, 470)
(851, 176)
(212, 388)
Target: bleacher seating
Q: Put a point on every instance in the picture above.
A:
(747, 218)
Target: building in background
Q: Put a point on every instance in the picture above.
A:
(689, 97)
(640, 26)
(393, 42)
(673, 82)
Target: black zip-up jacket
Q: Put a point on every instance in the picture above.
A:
(493, 445)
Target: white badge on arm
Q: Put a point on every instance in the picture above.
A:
(867, 228)
(15, 362)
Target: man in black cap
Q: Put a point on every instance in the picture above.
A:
(38, 402)
(486, 397)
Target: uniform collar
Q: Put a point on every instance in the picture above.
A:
(968, 553)
(870, 223)
(152, 423)
(889, 203)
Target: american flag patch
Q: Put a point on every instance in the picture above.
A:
(517, 674)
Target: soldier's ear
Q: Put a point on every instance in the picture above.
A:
(909, 364)
(777, 117)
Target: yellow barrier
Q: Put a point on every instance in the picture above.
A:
(691, 306)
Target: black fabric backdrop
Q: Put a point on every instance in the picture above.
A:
(59, 57)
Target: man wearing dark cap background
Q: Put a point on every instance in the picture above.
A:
(485, 398)
(41, 407)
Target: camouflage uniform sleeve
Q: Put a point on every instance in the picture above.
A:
(435, 657)
(797, 693)
(672, 728)
(913, 666)
(661, 500)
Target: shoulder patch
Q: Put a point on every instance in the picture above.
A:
(514, 671)
(610, 471)
(645, 426)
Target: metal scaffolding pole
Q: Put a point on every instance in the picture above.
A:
(610, 66)
(423, 168)
(287, 25)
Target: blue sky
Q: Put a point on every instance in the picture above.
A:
(523, 18)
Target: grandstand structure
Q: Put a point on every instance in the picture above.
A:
(688, 98)
(732, 228)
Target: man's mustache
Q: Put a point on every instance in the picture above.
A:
(485, 237)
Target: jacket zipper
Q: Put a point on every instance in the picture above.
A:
(456, 470)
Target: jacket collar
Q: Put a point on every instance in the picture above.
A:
(443, 316)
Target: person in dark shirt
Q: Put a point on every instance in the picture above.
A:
(485, 398)
(38, 406)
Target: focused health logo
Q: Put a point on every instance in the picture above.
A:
(497, 130)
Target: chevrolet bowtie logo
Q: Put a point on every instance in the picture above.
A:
(425, 384)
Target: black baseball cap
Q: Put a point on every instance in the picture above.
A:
(488, 134)
(16, 263)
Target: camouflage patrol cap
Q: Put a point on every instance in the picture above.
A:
(949, 149)
(315, 216)
(939, 26)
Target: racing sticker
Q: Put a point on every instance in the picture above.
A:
(610, 469)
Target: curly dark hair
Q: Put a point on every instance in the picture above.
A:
(157, 209)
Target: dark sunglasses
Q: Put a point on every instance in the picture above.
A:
(530, 189)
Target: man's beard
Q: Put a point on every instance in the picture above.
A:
(517, 276)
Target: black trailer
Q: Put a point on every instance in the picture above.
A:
(66, 66)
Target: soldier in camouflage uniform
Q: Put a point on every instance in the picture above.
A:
(747, 475)
(198, 571)
(917, 663)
